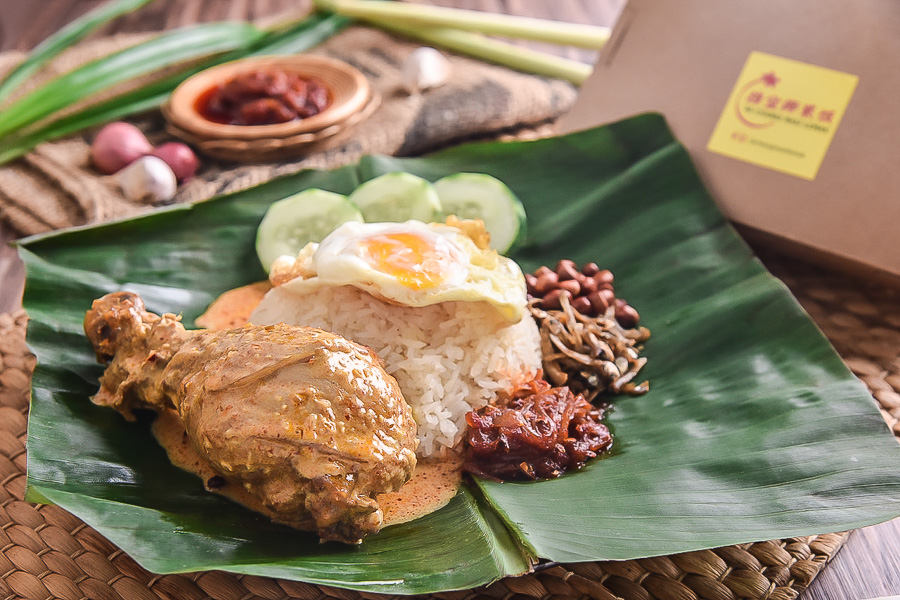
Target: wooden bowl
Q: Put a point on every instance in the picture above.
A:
(269, 149)
(348, 89)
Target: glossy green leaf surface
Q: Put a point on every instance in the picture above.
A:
(187, 43)
(753, 428)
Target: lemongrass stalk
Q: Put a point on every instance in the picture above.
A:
(530, 28)
(491, 50)
(65, 37)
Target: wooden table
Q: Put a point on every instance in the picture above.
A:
(868, 565)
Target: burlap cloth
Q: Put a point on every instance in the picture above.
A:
(55, 186)
(46, 552)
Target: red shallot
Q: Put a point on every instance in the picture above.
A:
(118, 145)
(180, 158)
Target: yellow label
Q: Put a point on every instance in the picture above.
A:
(782, 114)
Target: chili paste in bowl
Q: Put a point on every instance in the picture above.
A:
(251, 108)
(263, 97)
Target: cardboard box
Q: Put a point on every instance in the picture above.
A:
(688, 59)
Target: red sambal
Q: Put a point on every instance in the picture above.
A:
(263, 97)
(538, 432)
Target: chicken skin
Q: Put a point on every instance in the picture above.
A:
(309, 423)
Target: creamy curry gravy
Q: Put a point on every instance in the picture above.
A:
(433, 484)
(234, 307)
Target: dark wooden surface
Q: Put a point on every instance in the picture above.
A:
(868, 566)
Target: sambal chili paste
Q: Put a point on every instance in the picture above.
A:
(538, 432)
(263, 97)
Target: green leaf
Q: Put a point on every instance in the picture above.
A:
(183, 44)
(65, 37)
(302, 36)
(410, 558)
(141, 100)
(753, 428)
(297, 37)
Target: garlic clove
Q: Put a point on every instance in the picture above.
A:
(426, 68)
(148, 179)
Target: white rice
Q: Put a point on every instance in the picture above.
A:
(448, 358)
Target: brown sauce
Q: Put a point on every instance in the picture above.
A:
(263, 97)
(433, 485)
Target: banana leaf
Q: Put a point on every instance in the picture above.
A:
(753, 428)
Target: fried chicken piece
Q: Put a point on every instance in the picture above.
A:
(305, 420)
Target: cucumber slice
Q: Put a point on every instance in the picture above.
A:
(397, 197)
(480, 196)
(305, 217)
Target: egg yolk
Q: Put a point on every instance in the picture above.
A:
(410, 259)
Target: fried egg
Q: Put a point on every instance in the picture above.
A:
(413, 264)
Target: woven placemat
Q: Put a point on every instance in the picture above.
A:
(45, 552)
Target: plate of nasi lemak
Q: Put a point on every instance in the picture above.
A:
(412, 375)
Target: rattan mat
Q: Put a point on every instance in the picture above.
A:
(45, 552)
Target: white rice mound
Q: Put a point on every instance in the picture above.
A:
(448, 358)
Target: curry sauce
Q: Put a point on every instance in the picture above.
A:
(434, 481)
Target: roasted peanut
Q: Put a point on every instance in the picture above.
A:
(604, 278)
(626, 315)
(598, 302)
(590, 291)
(546, 282)
(607, 294)
(571, 286)
(551, 300)
(583, 305)
(590, 269)
(566, 270)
